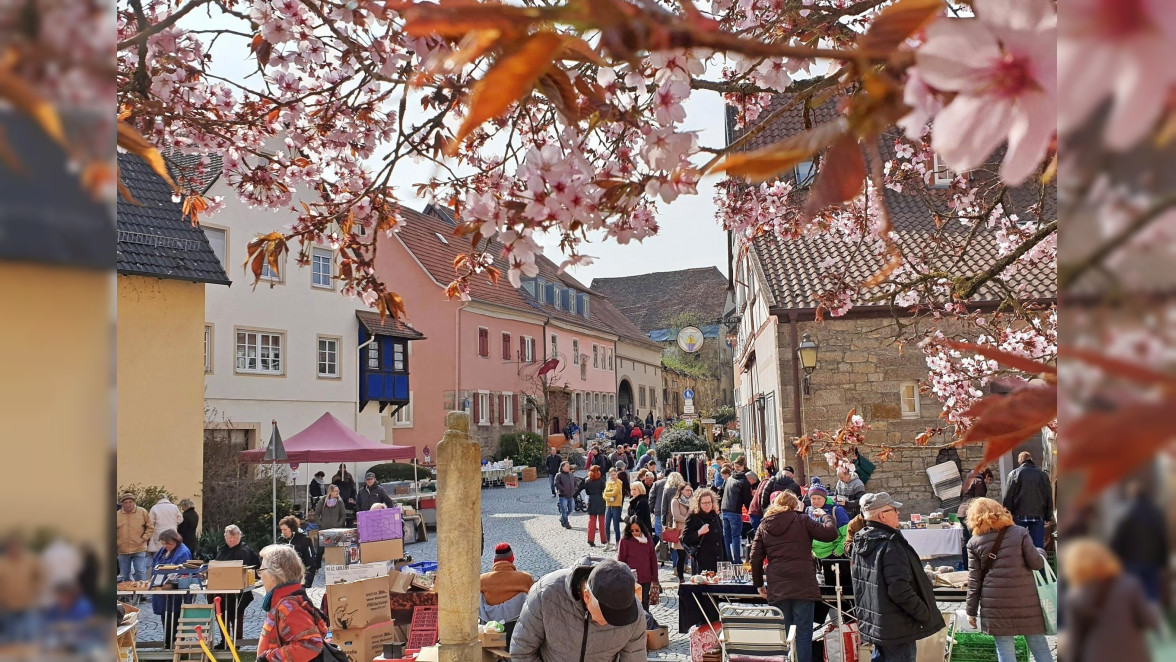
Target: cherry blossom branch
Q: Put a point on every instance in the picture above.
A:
(968, 288)
(145, 33)
(1069, 274)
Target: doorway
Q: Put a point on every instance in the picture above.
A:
(625, 398)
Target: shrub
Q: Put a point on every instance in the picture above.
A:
(391, 471)
(678, 440)
(525, 449)
(147, 495)
(724, 415)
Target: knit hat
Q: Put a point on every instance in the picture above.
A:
(125, 496)
(818, 488)
(503, 552)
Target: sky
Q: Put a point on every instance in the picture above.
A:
(689, 234)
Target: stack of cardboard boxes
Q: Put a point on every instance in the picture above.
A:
(361, 622)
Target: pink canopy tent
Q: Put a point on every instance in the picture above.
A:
(329, 440)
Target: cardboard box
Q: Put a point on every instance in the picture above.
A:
(383, 524)
(227, 575)
(657, 639)
(493, 639)
(341, 574)
(364, 644)
(358, 604)
(341, 555)
(400, 582)
(384, 550)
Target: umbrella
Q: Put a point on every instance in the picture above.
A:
(275, 451)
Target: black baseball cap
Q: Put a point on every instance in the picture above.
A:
(611, 583)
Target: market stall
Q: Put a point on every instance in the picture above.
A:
(930, 543)
(173, 595)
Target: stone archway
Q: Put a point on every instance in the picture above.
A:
(625, 398)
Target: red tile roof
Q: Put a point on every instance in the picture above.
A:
(387, 326)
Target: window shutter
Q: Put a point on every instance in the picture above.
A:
(501, 409)
(477, 408)
(515, 415)
(506, 347)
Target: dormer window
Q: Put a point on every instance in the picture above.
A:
(582, 305)
(530, 287)
(942, 176)
(566, 299)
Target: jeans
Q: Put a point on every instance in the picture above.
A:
(1036, 527)
(755, 522)
(132, 567)
(800, 614)
(898, 653)
(20, 627)
(566, 506)
(733, 535)
(551, 479)
(657, 525)
(612, 519)
(1150, 576)
(1006, 650)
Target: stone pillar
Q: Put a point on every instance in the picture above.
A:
(459, 535)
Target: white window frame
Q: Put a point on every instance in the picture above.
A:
(209, 342)
(268, 274)
(403, 418)
(595, 355)
(316, 254)
(528, 349)
(318, 340)
(225, 232)
(372, 351)
(576, 351)
(910, 407)
(257, 344)
(554, 346)
(941, 175)
(483, 407)
(508, 408)
(584, 371)
(610, 360)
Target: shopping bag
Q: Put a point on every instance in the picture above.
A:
(1162, 644)
(1047, 594)
(671, 535)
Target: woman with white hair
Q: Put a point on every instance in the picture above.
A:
(235, 549)
(294, 629)
(849, 489)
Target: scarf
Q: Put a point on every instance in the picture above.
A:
(640, 539)
(265, 603)
(331, 502)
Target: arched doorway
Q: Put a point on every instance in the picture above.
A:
(624, 398)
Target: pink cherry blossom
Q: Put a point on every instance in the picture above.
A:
(1002, 66)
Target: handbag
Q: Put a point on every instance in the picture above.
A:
(671, 535)
(1047, 594)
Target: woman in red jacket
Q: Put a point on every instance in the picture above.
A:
(636, 551)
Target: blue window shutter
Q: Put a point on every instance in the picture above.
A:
(549, 293)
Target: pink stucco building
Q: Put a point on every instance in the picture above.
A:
(481, 355)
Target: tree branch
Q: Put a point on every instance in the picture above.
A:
(968, 287)
(1068, 274)
(145, 33)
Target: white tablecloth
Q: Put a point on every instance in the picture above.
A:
(935, 542)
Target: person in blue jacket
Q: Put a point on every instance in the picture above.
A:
(172, 552)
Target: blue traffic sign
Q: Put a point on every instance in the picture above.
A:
(688, 394)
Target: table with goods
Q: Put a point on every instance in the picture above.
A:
(934, 535)
(420, 496)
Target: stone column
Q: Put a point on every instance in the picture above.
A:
(459, 535)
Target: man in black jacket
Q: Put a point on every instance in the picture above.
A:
(782, 481)
(371, 494)
(552, 463)
(895, 600)
(736, 496)
(1030, 498)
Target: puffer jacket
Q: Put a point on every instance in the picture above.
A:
(554, 625)
(614, 496)
(785, 540)
(895, 599)
(736, 493)
(1008, 603)
(503, 582)
(565, 484)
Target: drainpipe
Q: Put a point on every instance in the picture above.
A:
(796, 399)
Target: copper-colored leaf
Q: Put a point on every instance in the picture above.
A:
(471, 47)
(390, 304)
(557, 87)
(578, 50)
(22, 96)
(132, 141)
(1107, 446)
(194, 205)
(842, 173)
(897, 22)
(768, 162)
(1020, 414)
(1119, 368)
(1007, 359)
(452, 20)
(511, 77)
(256, 263)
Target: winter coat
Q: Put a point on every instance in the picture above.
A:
(1141, 535)
(640, 556)
(245, 554)
(614, 495)
(565, 485)
(1030, 493)
(346, 488)
(317, 488)
(778, 483)
(370, 496)
(785, 540)
(328, 517)
(503, 582)
(679, 512)
(179, 556)
(601, 460)
(639, 508)
(667, 497)
(852, 491)
(756, 507)
(655, 498)
(133, 530)
(595, 491)
(187, 529)
(856, 524)
(863, 467)
(823, 549)
(708, 549)
(301, 544)
(552, 463)
(1008, 604)
(1108, 620)
(293, 631)
(736, 493)
(555, 625)
(164, 515)
(895, 599)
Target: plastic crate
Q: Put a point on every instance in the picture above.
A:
(980, 647)
(424, 618)
(422, 639)
(424, 567)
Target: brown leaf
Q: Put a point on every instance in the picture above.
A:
(578, 50)
(453, 20)
(766, 163)
(1108, 446)
(390, 304)
(132, 141)
(472, 46)
(557, 87)
(26, 99)
(256, 264)
(1119, 368)
(511, 77)
(897, 22)
(1013, 417)
(842, 173)
(1007, 359)
(194, 205)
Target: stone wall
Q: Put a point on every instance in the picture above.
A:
(860, 366)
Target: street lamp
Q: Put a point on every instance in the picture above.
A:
(807, 353)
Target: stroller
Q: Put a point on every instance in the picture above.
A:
(580, 504)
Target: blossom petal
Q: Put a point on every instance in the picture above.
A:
(969, 129)
(1086, 75)
(1030, 133)
(956, 54)
(1140, 93)
(1027, 15)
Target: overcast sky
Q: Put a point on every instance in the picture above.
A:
(689, 235)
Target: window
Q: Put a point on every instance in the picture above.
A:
(483, 342)
(442, 238)
(652, 397)
(398, 356)
(805, 171)
(328, 357)
(506, 409)
(584, 370)
(596, 404)
(269, 274)
(909, 398)
(482, 407)
(575, 351)
(218, 239)
(373, 354)
(942, 175)
(528, 349)
(207, 348)
(554, 297)
(610, 360)
(259, 352)
(530, 286)
(554, 347)
(641, 396)
(403, 417)
(582, 307)
(595, 356)
(612, 404)
(506, 347)
(322, 265)
(542, 290)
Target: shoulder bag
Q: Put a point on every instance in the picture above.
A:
(987, 561)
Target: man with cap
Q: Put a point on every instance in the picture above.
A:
(587, 613)
(133, 530)
(504, 590)
(895, 600)
(371, 493)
